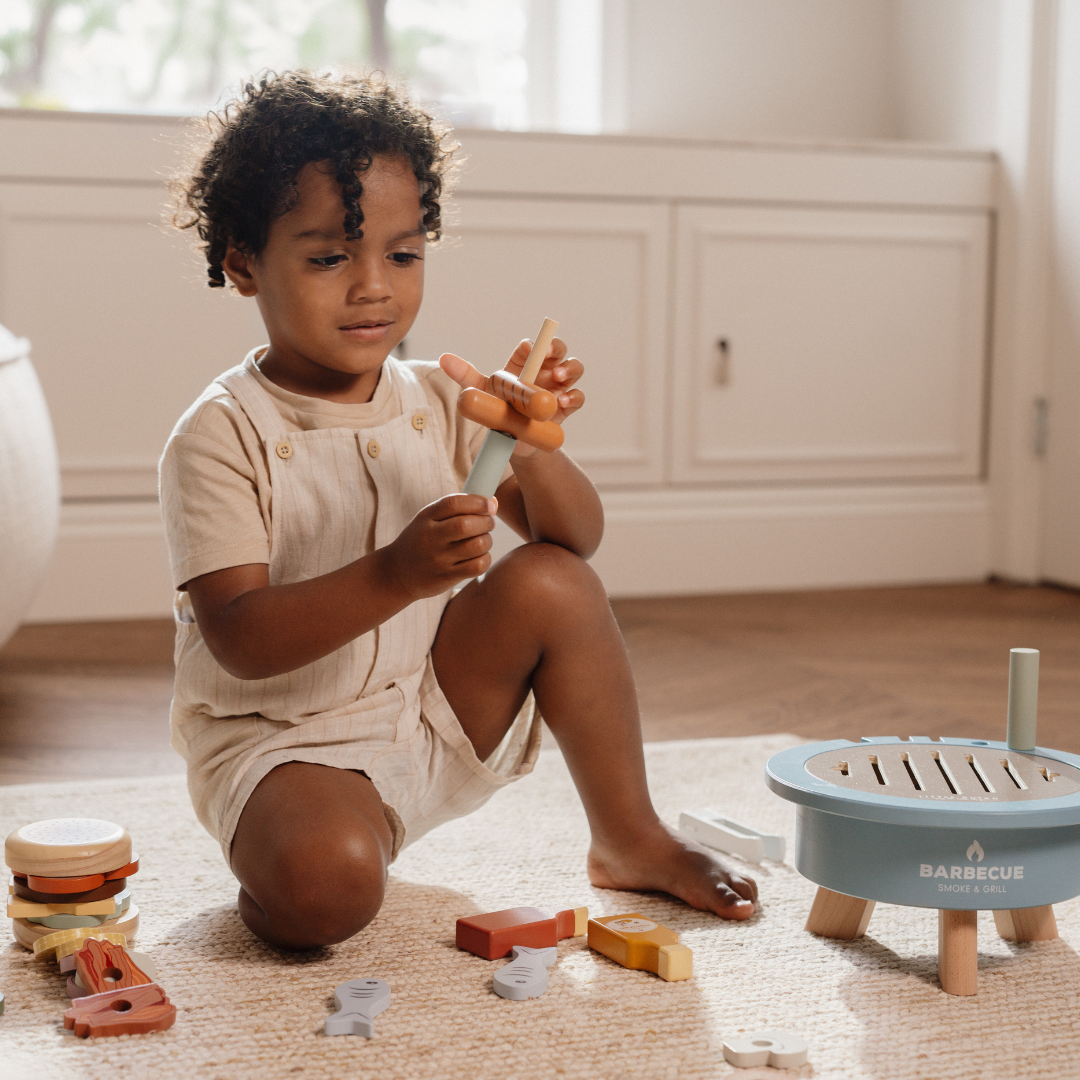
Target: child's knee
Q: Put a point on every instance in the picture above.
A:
(323, 898)
(546, 574)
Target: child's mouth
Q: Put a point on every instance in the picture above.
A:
(367, 330)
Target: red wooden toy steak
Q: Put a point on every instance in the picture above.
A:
(131, 1011)
(495, 934)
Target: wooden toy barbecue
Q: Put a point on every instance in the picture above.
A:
(960, 825)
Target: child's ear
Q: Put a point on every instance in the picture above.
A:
(237, 267)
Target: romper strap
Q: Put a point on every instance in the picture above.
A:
(406, 384)
(256, 402)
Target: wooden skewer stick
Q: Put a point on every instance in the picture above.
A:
(487, 470)
(539, 350)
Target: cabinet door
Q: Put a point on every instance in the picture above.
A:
(817, 345)
(124, 332)
(600, 269)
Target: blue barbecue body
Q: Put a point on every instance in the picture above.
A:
(936, 854)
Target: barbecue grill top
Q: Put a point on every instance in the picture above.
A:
(917, 781)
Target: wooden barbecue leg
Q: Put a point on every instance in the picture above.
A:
(835, 915)
(958, 954)
(1027, 924)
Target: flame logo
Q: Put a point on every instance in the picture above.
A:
(975, 852)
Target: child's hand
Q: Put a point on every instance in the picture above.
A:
(445, 543)
(558, 374)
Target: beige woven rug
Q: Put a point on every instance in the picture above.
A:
(867, 1009)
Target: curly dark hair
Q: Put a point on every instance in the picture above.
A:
(262, 140)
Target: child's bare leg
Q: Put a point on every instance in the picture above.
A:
(311, 852)
(540, 618)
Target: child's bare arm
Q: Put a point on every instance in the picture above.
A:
(256, 630)
(549, 498)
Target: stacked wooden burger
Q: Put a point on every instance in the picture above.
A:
(71, 874)
(69, 901)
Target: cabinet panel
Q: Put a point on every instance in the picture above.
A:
(601, 270)
(828, 345)
(125, 333)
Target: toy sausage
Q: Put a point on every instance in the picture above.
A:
(500, 416)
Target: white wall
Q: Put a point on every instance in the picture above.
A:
(945, 70)
(760, 68)
(924, 70)
(1061, 554)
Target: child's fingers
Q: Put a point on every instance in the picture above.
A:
(519, 356)
(565, 373)
(451, 506)
(570, 402)
(555, 353)
(473, 567)
(461, 371)
(472, 547)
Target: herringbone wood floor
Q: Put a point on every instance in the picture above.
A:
(92, 699)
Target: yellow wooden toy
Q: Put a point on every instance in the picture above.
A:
(637, 942)
(61, 943)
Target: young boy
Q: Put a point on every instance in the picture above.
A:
(333, 701)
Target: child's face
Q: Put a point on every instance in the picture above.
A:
(335, 308)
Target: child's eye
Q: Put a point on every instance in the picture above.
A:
(404, 258)
(327, 260)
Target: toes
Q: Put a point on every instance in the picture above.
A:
(746, 887)
(730, 905)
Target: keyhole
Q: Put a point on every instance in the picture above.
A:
(723, 363)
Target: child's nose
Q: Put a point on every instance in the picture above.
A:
(371, 282)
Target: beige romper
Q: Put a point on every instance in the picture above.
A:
(374, 705)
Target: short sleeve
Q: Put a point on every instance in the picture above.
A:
(214, 501)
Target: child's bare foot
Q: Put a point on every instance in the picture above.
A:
(665, 861)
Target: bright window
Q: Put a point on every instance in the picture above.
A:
(510, 64)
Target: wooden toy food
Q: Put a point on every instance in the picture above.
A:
(20, 889)
(637, 942)
(493, 935)
(780, 1049)
(27, 933)
(70, 874)
(358, 1002)
(134, 1010)
(102, 966)
(526, 975)
(511, 411)
(61, 847)
(63, 943)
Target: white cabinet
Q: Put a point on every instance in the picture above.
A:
(839, 442)
(601, 270)
(125, 332)
(827, 345)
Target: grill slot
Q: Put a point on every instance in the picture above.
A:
(976, 768)
(1013, 775)
(913, 773)
(962, 772)
(946, 773)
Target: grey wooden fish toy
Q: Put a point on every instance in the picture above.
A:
(358, 1002)
(526, 975)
